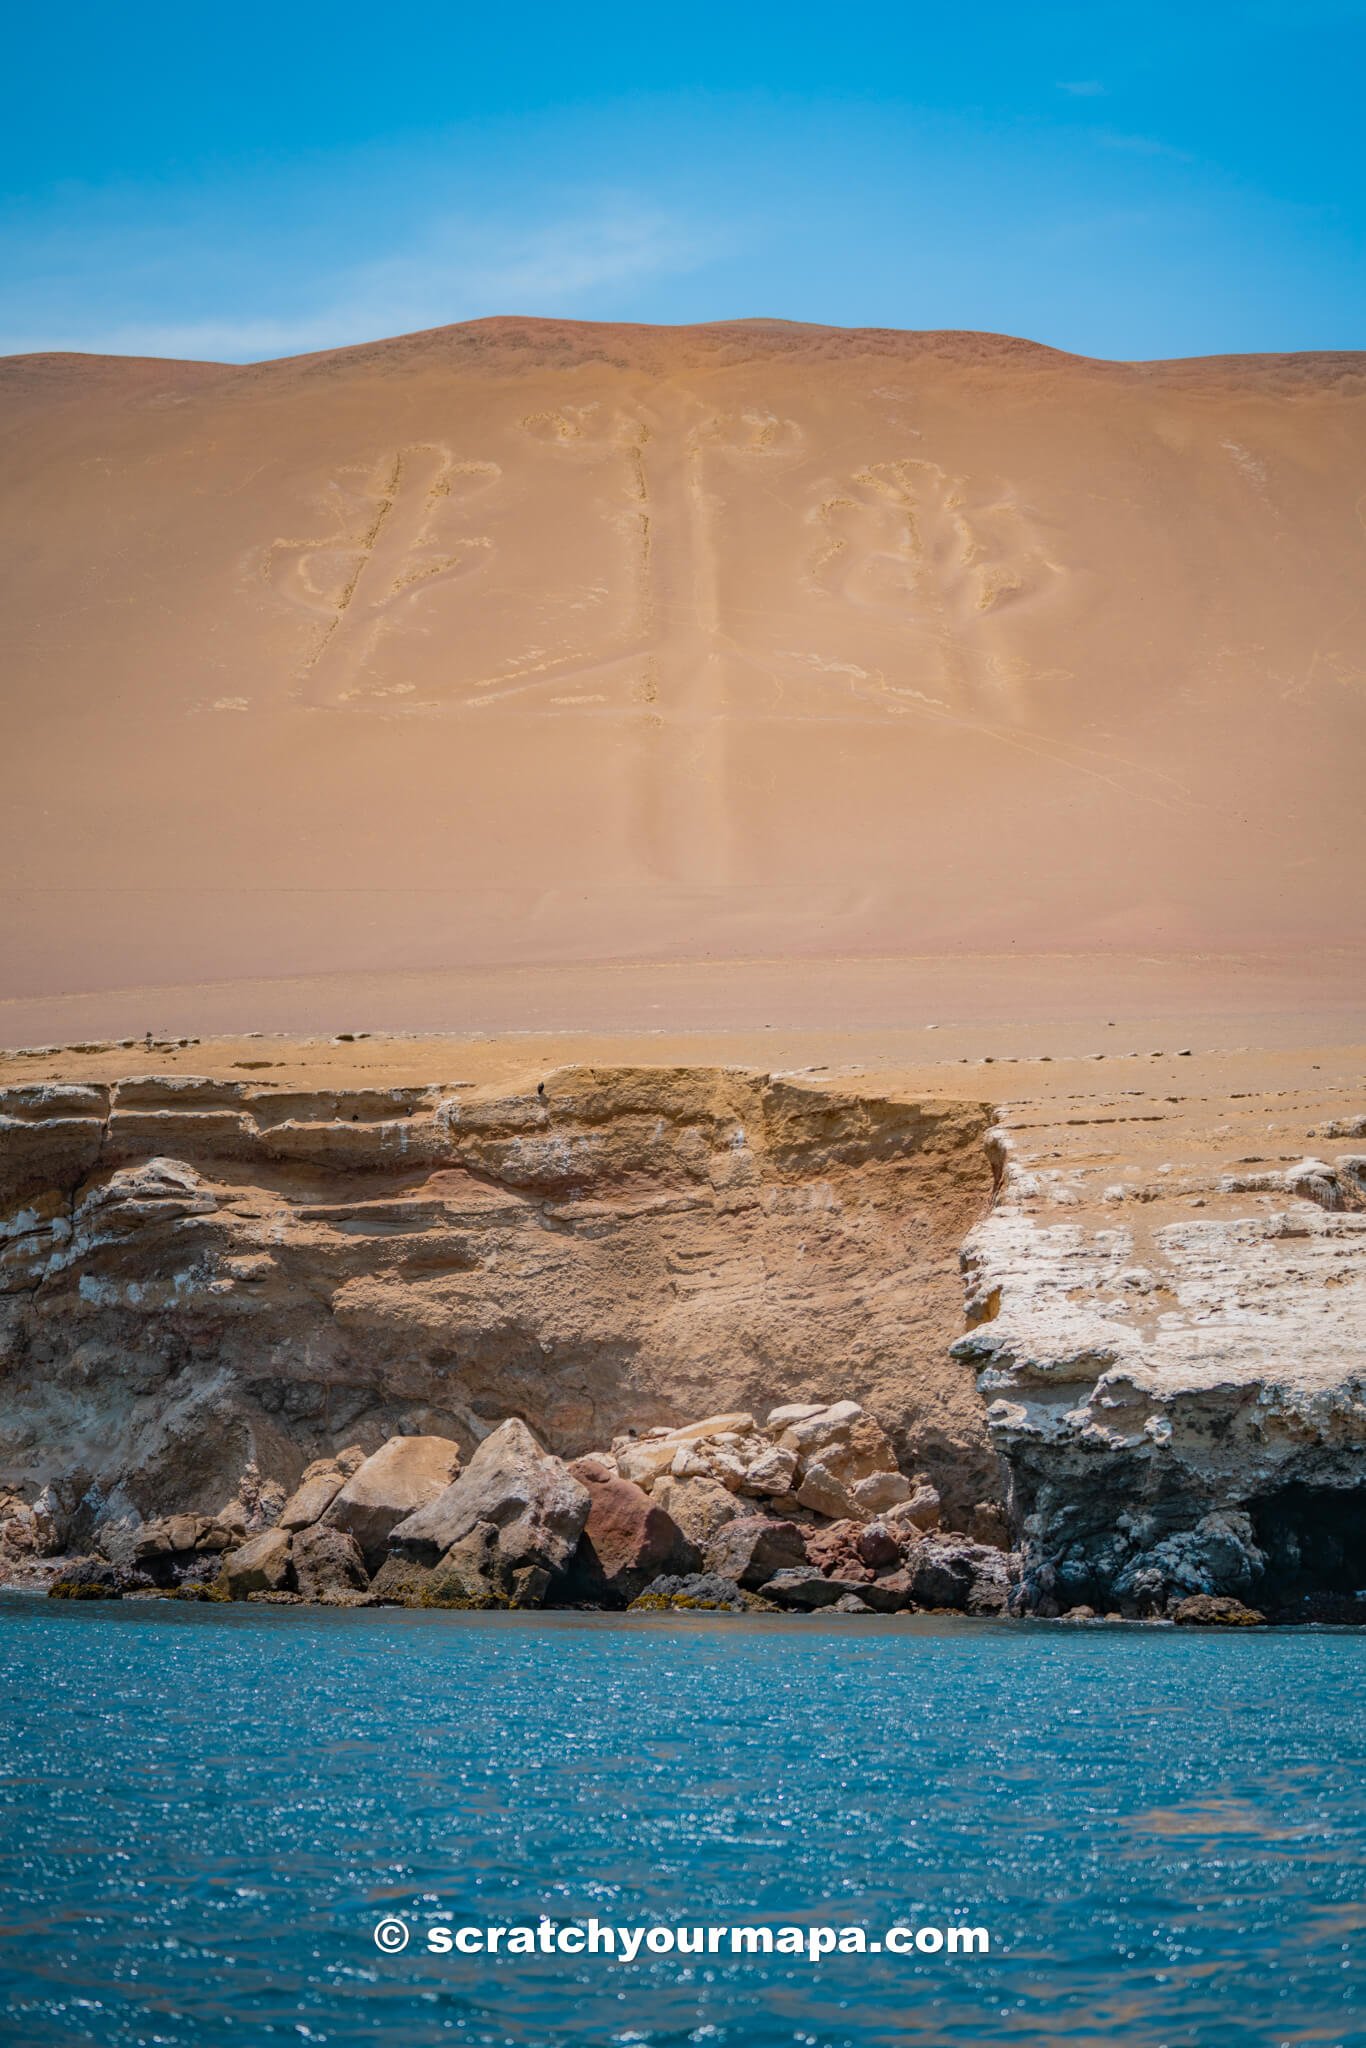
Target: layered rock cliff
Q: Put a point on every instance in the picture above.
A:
(208, 1276)
(207, 1283)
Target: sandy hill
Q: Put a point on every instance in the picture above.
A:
(540, 642)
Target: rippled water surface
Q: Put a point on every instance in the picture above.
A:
(204, 1811)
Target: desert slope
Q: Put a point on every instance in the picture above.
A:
(535, 642)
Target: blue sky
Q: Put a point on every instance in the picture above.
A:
(1122, 180)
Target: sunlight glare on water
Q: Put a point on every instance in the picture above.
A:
(204, 1811)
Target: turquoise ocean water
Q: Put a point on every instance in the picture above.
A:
(204, 1812)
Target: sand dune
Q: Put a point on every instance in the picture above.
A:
(529, 642)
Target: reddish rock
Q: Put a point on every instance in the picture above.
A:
(627, 1541)
(877, 1546)
(835, 1551)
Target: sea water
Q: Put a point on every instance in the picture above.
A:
(204, 1812)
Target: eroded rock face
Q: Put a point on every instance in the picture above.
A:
(216, 1299)
(1175, 1373)
(202, 1276)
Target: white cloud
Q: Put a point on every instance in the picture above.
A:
(460, 270)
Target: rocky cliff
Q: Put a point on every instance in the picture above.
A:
(203, 1276)
(1173, 1352)
(208, 1283)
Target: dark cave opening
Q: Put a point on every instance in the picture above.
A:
(1314, 1539)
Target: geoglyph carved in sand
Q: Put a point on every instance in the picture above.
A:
(630, 611)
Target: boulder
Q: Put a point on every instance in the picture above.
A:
(824, 1494)
(189, 1534)
(779, 1419)
(179, 1536)
(805, 1587)
(472, 1574)
(534, 1505)
(877, 1546)
(87, 1578)
(403, 1476)
(738, 1424)
(684, 1452)
(850, 1603)
(939, 1576)
(919, 1511)
(753, 1547)
(835, 1551)
(699, 1506)
(233, 1517)
(880, 1491)
(1213, 1610)
(644, 1461)
(179, 1544)
(948, 1571)
(694, 1589)
(400, 1583)
(772, 1472)
(724, 1459)
(846, 1464)
(889, 1592)
(262, 1565)
(843, 1439)
(328, 1563)
(322, 1481)
(628, 1540)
